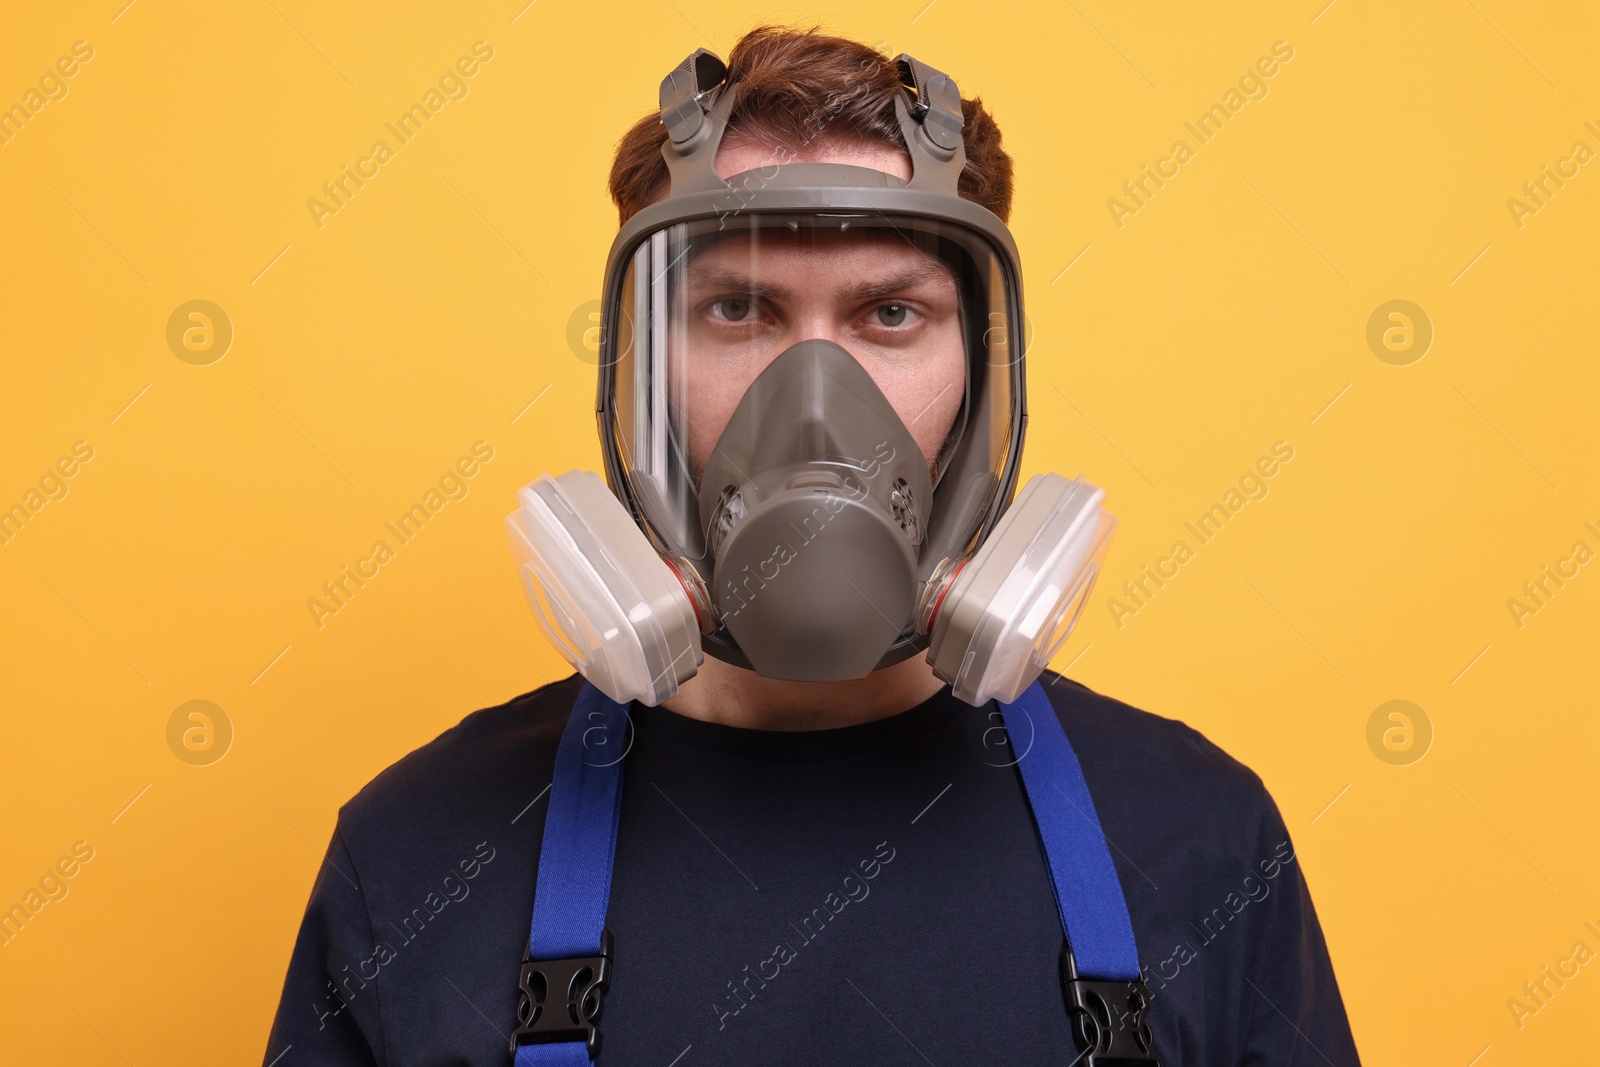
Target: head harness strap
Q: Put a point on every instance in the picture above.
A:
(696, 100)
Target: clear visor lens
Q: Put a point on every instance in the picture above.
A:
(706, 306)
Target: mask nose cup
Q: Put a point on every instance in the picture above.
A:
(814, 503)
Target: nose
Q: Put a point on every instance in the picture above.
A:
(816, 322)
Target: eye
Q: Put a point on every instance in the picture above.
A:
(732, 308)
(892, 314)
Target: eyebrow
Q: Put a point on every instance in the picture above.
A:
(739, 281)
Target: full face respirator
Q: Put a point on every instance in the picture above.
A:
(811, 407)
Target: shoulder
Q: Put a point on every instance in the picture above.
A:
(1138, 746)
(1219, 906)
(453, 820)
(474, 776)
(1163, 791)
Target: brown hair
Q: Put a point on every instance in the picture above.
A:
(799, 85)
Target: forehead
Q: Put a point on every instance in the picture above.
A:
(854, 253)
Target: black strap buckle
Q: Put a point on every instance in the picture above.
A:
(1110, 1018)
(560, 1000)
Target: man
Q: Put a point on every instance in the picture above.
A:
(831, 848)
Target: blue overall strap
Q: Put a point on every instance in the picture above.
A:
(1100, 977)
(1088, 894)
(568, 962)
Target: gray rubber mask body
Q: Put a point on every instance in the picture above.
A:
(815, 504)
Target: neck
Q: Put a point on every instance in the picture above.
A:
(733, 696)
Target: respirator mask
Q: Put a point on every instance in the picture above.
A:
(811, 406)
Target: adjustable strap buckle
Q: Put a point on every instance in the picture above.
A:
(935, 102)
(684, 93)
(561, 1000)
(1110, 1018)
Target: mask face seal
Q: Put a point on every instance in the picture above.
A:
(787, 352)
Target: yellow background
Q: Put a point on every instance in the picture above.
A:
(1229, 313)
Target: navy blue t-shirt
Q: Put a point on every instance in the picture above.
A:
(871, 894)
